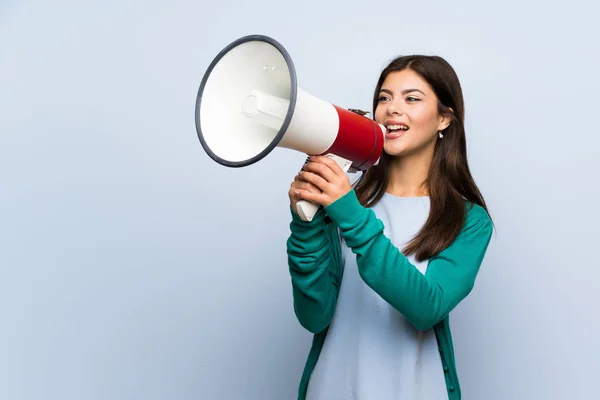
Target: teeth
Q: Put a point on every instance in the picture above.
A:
(396, 127)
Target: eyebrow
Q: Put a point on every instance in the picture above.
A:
(403, 92)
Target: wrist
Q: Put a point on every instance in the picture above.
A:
(345, 209)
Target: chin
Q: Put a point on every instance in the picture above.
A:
(404, 147)
(395, 149)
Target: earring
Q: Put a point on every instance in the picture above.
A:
(441, 134)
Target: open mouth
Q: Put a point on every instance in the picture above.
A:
(394, 131)
(400, 127)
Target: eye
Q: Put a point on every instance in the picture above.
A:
(383, 98)
(412, 99)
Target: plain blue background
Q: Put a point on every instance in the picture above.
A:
(134, 267)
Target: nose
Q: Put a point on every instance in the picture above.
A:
(393, 109)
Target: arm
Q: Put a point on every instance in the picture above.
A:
(311, 262)
(423, 299)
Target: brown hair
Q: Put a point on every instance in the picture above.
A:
(449, 180)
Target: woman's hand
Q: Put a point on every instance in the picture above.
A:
(321, 181)
(297, 185)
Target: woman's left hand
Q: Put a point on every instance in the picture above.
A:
(327, 175)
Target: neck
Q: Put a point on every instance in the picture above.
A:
(408, 174)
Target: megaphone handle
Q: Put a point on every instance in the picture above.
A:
(307, 210)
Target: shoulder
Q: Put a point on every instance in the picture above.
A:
(477, 221)
(470, 245)
(476, 213)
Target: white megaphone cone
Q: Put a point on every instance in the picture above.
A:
(249, 103)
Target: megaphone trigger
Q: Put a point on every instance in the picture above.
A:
(342, 162)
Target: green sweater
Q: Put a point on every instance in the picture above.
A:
(314, 259)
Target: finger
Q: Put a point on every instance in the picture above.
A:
(301, 182)
(299, 178)
(316, 198)
(294, 195)
(321, 169)
(330, 163)
(304, 185)
(316, 180)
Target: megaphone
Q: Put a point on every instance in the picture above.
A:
(249, 103)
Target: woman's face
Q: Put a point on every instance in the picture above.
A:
(408, 108)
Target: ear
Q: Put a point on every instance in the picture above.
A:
(445, 120)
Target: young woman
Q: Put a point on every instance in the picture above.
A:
(378, 270)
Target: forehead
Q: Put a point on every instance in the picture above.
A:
(405, 79)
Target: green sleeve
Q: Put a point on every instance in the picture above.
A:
(311, 264)
(424, 299)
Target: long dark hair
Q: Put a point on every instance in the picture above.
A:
(449, 180)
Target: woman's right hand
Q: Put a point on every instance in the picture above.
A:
(301, 184)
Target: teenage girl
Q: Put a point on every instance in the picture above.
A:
(377, 271)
